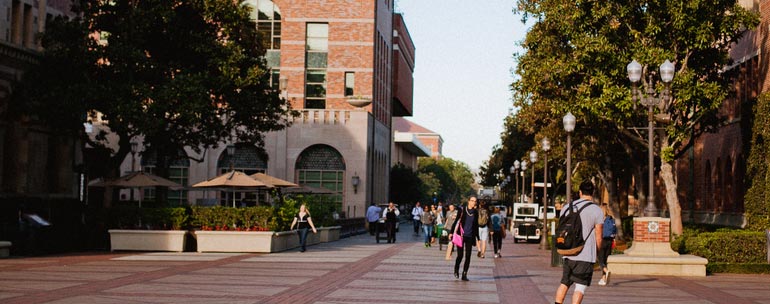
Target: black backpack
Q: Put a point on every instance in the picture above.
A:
(569, 233)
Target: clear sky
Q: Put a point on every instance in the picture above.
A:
(463, 69)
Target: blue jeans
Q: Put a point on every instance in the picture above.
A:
(428, 231)
(302, 233)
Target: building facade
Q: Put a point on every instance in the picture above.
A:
(346, 66)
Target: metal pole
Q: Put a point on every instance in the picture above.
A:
(517, 185)
(522, 185)
(544, 234)
(569, 169)
(133, 161)
(532, 186)
(650, 210)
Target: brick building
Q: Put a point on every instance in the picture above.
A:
(711, 176)
(347, 67)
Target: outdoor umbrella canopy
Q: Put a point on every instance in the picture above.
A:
(274, 181)
(232, 179)
(309, 190)
(139, 180)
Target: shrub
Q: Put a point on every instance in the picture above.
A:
(723, 245)
(321, 210)
(126, 217)
(236, 219)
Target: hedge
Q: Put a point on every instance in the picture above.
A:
(723, 246)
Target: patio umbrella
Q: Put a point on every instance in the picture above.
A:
(138, 180)
(234, 180)
(276, 182)
(309, 190)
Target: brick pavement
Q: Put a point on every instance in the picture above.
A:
(352, 270)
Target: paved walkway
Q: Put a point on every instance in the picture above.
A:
(352, 270)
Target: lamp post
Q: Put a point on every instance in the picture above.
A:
(523, 168)
(231, 153)
(569, 126)
(546, 145)
(134, 150)
(532, 159)
(650, 99)
(514, 171)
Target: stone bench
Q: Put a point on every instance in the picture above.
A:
(5, 249)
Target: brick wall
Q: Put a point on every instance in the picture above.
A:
(642, 233)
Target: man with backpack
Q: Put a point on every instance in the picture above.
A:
(586, 224)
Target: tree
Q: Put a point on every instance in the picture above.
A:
(179, 73)
(575, 59)
(454, 177)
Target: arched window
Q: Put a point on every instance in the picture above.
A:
(178, 171)
(247, 160)
(321, 166)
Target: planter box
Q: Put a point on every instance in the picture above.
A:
(234, 241)
(147, 240)
(329, 234)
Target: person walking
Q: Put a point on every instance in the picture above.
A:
(416, 216)
(579, 269)
(427, 220)
(498, 231)
(451, 216)
(303, 222)
(483, 229)
(609, 230)
(391, 217)
(468, 226)
(373, 217)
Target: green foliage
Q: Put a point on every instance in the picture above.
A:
(756, 268)
(757, 172)
(405, 185)
(321, 210)
(226, 218)
(723, 246)
(144, 218)
(160, 70)
(454, 179)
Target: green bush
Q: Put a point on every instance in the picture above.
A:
(321, 210)
(131, 217)
(723, 245)
(738, 268)
(237, 219)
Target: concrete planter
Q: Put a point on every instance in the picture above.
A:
(329, 234)
(234, 241)
(147, 240)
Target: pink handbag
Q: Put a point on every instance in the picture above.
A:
(457, 239)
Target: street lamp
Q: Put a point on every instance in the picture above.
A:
(532, 159)
(546, 145)
(516, 167)
(523, 168)
(569, 126)
(134, 150)
(650, 99)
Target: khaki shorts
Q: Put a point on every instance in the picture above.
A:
(484, 233)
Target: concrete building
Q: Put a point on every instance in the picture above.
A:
(429, 139)
(347, 67)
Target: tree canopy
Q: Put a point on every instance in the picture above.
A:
(177, 73)
(575, 60)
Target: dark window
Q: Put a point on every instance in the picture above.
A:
(350, 83)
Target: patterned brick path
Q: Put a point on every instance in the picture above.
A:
(352, 270)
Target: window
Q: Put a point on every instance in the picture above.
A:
(321, 166)
(275, 76)
(247, 160)
(350, 83)
(178, 171)
(268, 18)
(316, 57)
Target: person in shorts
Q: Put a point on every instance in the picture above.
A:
(579, 269)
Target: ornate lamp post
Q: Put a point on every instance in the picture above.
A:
(546, 145)
(523, 168)
(532, 159)
(650, 99)
(514, 171)
(569, 126)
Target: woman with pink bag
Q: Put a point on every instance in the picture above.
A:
(468, 227)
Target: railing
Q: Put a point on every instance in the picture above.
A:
(352, 226)
(327, 117)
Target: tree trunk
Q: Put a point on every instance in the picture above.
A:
(675, 211)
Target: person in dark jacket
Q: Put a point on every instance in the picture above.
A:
(468, 220)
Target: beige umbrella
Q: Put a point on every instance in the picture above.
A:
(274, 181)
(139, 180)
(233, 179)
(309, 190)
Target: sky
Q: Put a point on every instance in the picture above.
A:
(463, 69)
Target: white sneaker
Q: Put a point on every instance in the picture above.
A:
(602, 282)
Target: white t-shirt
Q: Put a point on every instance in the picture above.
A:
(590, 217)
